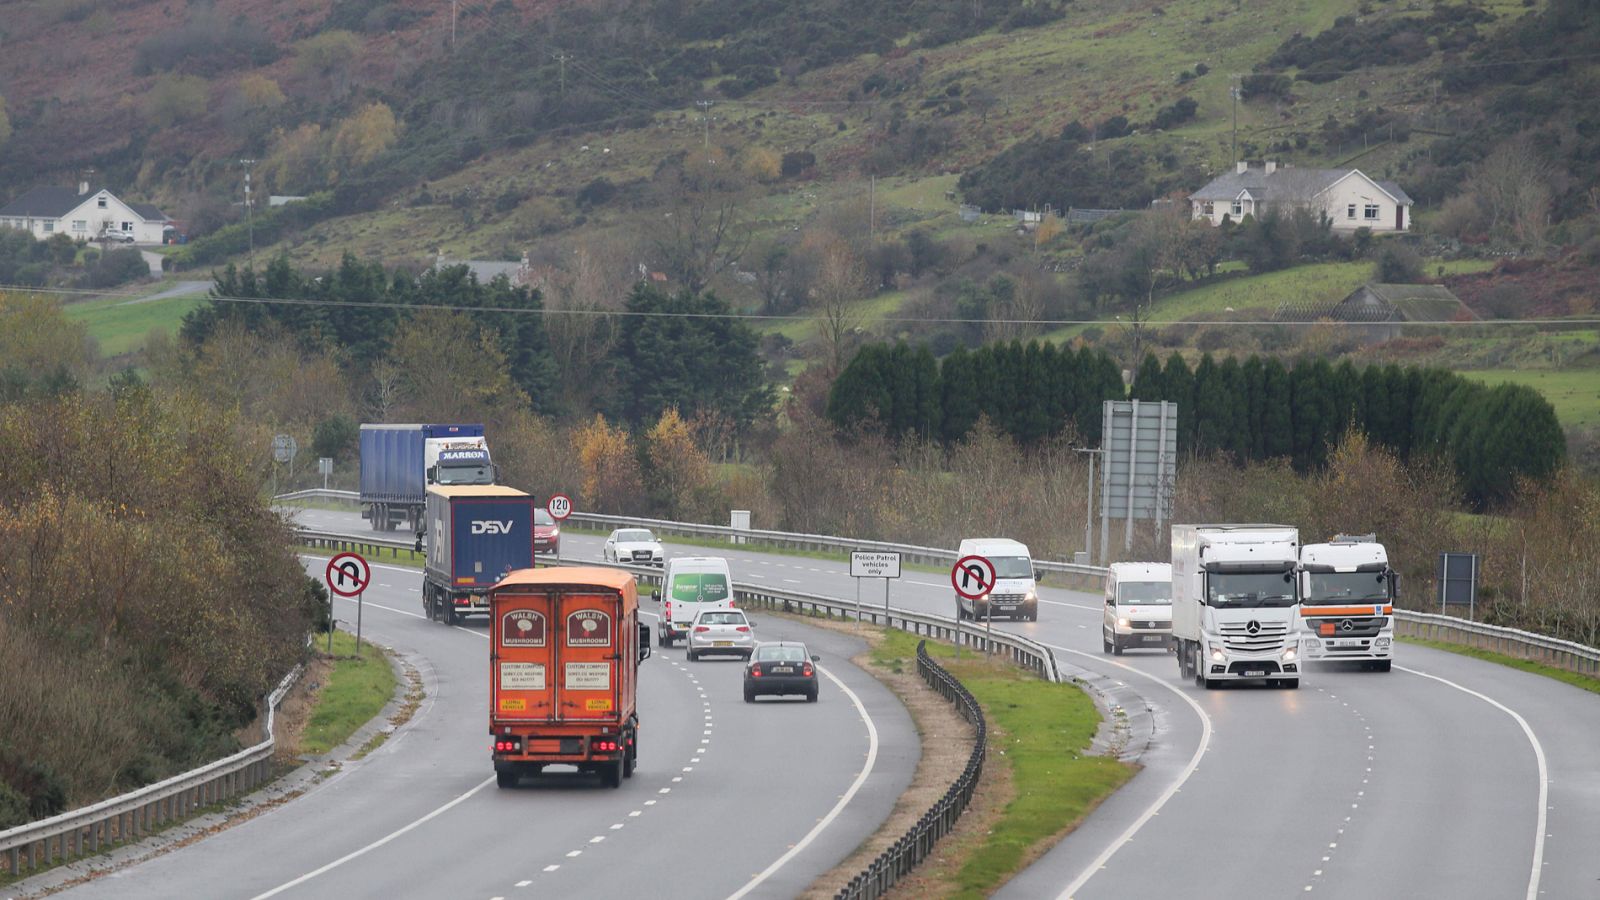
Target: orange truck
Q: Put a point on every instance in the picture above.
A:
(565, 648)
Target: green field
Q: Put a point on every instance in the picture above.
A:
(1575, 393)
(122, 326)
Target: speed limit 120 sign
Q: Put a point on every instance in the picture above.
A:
(560, 506)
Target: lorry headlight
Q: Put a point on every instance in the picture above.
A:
(1216, 653)
(1289, 654)
(1122, 623)
(1381, 644)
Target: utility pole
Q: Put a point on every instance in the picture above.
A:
(872, 208)
(562, 59)
(705, 117)
(1234, 90)
(452, 24)
(250, 225)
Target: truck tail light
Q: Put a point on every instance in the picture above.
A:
(743, 628)
(603, 745)
(701, 629)
(463, 601)
(511, 745)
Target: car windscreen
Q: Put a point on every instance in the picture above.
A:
(781, 654)
(542, 516)
(1012, 566)
(635, 536)
(1347, 587)
(699, 587)
(721, 618)
(1150, 593)
(1234, 590)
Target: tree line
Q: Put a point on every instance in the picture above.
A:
(1252, 410)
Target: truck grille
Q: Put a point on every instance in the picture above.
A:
(1154, 626)
(1267, 636)
(1005, 598)
(1359, 626)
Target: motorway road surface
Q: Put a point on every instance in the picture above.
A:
(727, 797)
(1449, 777)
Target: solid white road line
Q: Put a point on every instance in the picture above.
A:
(375, 844)
(825, 821)
(1155, 807)
(1544, 774)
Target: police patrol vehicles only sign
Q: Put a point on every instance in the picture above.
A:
(874, 564)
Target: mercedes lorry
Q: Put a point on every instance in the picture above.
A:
(1347, 594)
(398, 462)
(565, 645)
(1235, 603)
(474, 535)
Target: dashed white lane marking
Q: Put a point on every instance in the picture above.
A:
(616, 826)
(377, 843)
(1155, 807)
(844, 799)
(635, 814)
(574, 853)
(597, 839)
(525, 882)
(792, 581)
(1538, 756)
(552, 868)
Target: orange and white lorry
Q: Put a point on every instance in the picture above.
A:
(564, 654)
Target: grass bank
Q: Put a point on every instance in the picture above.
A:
(1527, 665)
(357, 689)
(1041, 732)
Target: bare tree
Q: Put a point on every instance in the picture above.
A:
(702, 230)
(841, 280)
(591, 281)
(1512, 185)
(386, 391)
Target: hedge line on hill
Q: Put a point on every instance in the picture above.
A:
(1253, 409)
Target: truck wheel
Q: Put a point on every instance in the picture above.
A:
(1198, 669)
(630, 759)
(505, 778)
(611, 774)
(1292, 684)
(1382, 665)
(450, 617)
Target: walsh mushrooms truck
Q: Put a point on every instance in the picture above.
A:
(1235, 603)
(1347, 594)
(398, 462)
(565, 645)
(476, 533)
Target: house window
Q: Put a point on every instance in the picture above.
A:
(49, 227)
(1210, 209)
(101, 202)
(127, 226)
(1371, 212)
(1238, 208)
(80, 225)
(1350, 211)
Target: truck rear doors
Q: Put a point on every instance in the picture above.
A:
(558, 657)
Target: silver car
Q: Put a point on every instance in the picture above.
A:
(724, 631)
(633, 545)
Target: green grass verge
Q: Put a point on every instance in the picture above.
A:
(1527, 665)
(1575, 393)
(408, 558)
(1041, 731)
(357, 689)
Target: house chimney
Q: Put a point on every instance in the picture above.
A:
(83, 188)
(1272, 166)
(1241, 167)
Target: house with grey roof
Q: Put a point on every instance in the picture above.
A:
(1348, 197)
(85, 214)
(1383, 310)
(519, 273)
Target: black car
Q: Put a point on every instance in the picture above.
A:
(780, 667)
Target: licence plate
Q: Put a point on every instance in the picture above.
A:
(1154, 637)
(1348, 642)
(722, 643)
(1254, 673)
(783, 670)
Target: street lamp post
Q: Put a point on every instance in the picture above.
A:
(1088, 503)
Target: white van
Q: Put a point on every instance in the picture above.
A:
(1138, 607)
(1015, 593)
(690, 584)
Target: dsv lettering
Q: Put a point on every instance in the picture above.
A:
(491, 526)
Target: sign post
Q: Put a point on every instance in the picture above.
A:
(1458, 582)
(883, 564)
(560, 507)
(283, 450)
(974, 578)
(325, 468)
(348, 575)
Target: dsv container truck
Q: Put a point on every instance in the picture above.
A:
(1235, 603)
(565, 645)
(398, 462)
(1347, 594)
(475, 534)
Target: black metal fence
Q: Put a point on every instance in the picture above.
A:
(916, 845)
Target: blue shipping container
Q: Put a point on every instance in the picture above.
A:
(488, 537)
(393, 466)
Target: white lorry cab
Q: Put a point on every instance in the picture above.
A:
(1015, 594)
(1347, 594)
(1138, 607)
(689, 585)
(1236, 603)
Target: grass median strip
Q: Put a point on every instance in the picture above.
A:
(1576, 679)
(1041, 733)
(357, 689)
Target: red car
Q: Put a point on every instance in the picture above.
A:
(546, 533)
